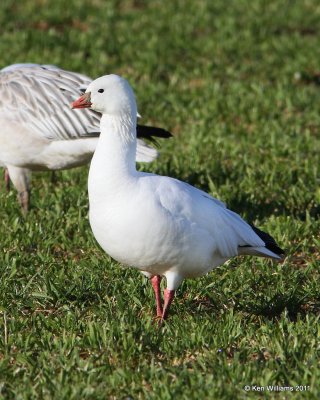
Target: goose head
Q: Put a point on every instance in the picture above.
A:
(109, 94)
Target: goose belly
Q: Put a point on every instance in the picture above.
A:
(155, 244)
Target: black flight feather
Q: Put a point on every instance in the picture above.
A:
(268, 240)
(151, 132)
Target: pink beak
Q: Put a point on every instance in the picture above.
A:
(82, 102)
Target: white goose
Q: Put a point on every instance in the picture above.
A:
(162, 226)
(39, 131)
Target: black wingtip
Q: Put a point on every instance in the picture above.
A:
(151, 132)
(269, 241)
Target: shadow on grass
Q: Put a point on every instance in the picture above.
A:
(262, 210)
(272, 308)
(293, 304)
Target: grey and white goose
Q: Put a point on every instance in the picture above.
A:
(40, 132)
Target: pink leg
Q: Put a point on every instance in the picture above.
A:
(168, 297)
(24, 200)
(7, 179)
(155, 281)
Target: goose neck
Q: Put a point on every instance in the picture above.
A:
(114, 159)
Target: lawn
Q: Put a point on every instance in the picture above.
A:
(238, 84)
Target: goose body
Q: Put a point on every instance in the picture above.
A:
(40, 132)
(157, 224)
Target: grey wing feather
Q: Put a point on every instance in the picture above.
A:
(39, 97)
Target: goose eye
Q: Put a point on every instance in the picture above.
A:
(101, 90)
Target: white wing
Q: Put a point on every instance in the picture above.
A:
(202, 211)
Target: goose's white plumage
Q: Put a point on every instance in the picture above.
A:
(39, 131)
(162, 226)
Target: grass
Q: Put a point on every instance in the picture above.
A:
(238, 85)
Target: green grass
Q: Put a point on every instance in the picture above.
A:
(237, 82)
